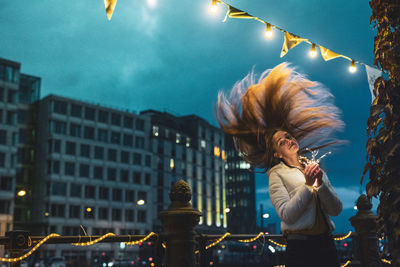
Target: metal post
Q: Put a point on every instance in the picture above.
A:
(365, 242)
(179, 222)
(18, 242)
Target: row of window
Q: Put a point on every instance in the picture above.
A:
(98, 172)
(99, 213)
(97, 192)
(102, 135)
(99, 115)
(98, 152)
(9, 74)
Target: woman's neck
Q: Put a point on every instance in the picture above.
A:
(292, 161)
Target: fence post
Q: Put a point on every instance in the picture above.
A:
(365, 242)
(179, 222)
(18, 242)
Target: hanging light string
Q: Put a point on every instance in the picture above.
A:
(327, 54)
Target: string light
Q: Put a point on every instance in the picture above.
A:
(31, 251)
(140, 240)
(343, 237)
(218, 240)
(276, 243)
(313, 51)
(252, 239)
(89, 243)
(213, 6)
(386, 261)
(268, 31)
(347, 263)
(353, 67)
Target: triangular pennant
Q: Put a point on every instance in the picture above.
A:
(291, 41)
(329, 54)
(110, 6)
(372, 74)
(237, 13)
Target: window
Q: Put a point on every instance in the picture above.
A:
(102, 135)
(116, 214)
(112, 174)
(128, 122)
(88, 132)
(129, 196)
(103, 213)
(124, 176)
(58, 127)
(75, 190)
(75, 130)
(90, 191)
(147, 179)
(156, 130)
(115, 138)
(1, 94)
(103, 193)
(84, 170)
(129, 215)
(89, 212)
(128, 140)
(57, 210)
(116, 194)
(76, 111)
(58, 189)
(89, 113)
(141, 216)
(3, 137)
(56, 145)
(103, 116)
(148, 161)
(142, 195)
(115, 119)
(125, 156)
(70, 148)
(12, 97)
(139, 142)
(139, 124)
(112, 154)
(60, 107)
(137, 159)
(98, 152)
(98, 172)
(6, 183)
(137, 178)
(85, 150)
(69, 168)
(74, 211)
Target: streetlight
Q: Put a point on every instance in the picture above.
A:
(21, 193)
(227, 210)
(140, 202)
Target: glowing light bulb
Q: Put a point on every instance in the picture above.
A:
(353, 67)
(313, 51)
(88, 209)
(213, 6)
(266, 216)
(46, 214)
(140, 202)
(227, 210)
(268, 31)
(21, 193)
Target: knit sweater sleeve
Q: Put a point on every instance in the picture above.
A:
(288, 209)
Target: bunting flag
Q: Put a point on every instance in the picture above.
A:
(329, 54)
(237, 13)
(372, 74)
(291, 41)
(110, 6)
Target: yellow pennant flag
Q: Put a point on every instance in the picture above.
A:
(291, 41)
(110, 6)
(237, 13)
(329, 54)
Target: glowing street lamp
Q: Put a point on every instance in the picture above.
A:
(88, 209)
(140, 202)
(227, 210)
(21, 193)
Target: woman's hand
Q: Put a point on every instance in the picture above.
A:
(313, 175)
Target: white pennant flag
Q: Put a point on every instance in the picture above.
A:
(372, 74)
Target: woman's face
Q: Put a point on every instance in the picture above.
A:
(285, 145)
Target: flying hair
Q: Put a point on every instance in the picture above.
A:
(281, 99)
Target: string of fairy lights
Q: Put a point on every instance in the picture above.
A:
(291, 40)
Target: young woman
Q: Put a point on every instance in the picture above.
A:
(268, 120)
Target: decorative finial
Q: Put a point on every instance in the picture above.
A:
(180, 191)
(363, 203)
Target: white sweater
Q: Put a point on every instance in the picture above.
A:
(293, 199)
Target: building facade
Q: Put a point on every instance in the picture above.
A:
(240, 192)
(189, 148)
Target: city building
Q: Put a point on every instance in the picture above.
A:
(17, 92)
(240, 192)
(189, 148)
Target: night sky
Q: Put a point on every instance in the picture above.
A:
(175, 56)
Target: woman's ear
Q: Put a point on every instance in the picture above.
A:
(276, 155)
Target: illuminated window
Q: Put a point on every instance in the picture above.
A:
(178, 138)
(155, 130)
(171, 164)
(203, 144)
(223, 155)
(244, 165)
(187, 142)
(217, 152)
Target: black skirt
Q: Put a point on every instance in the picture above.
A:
(311, 251)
